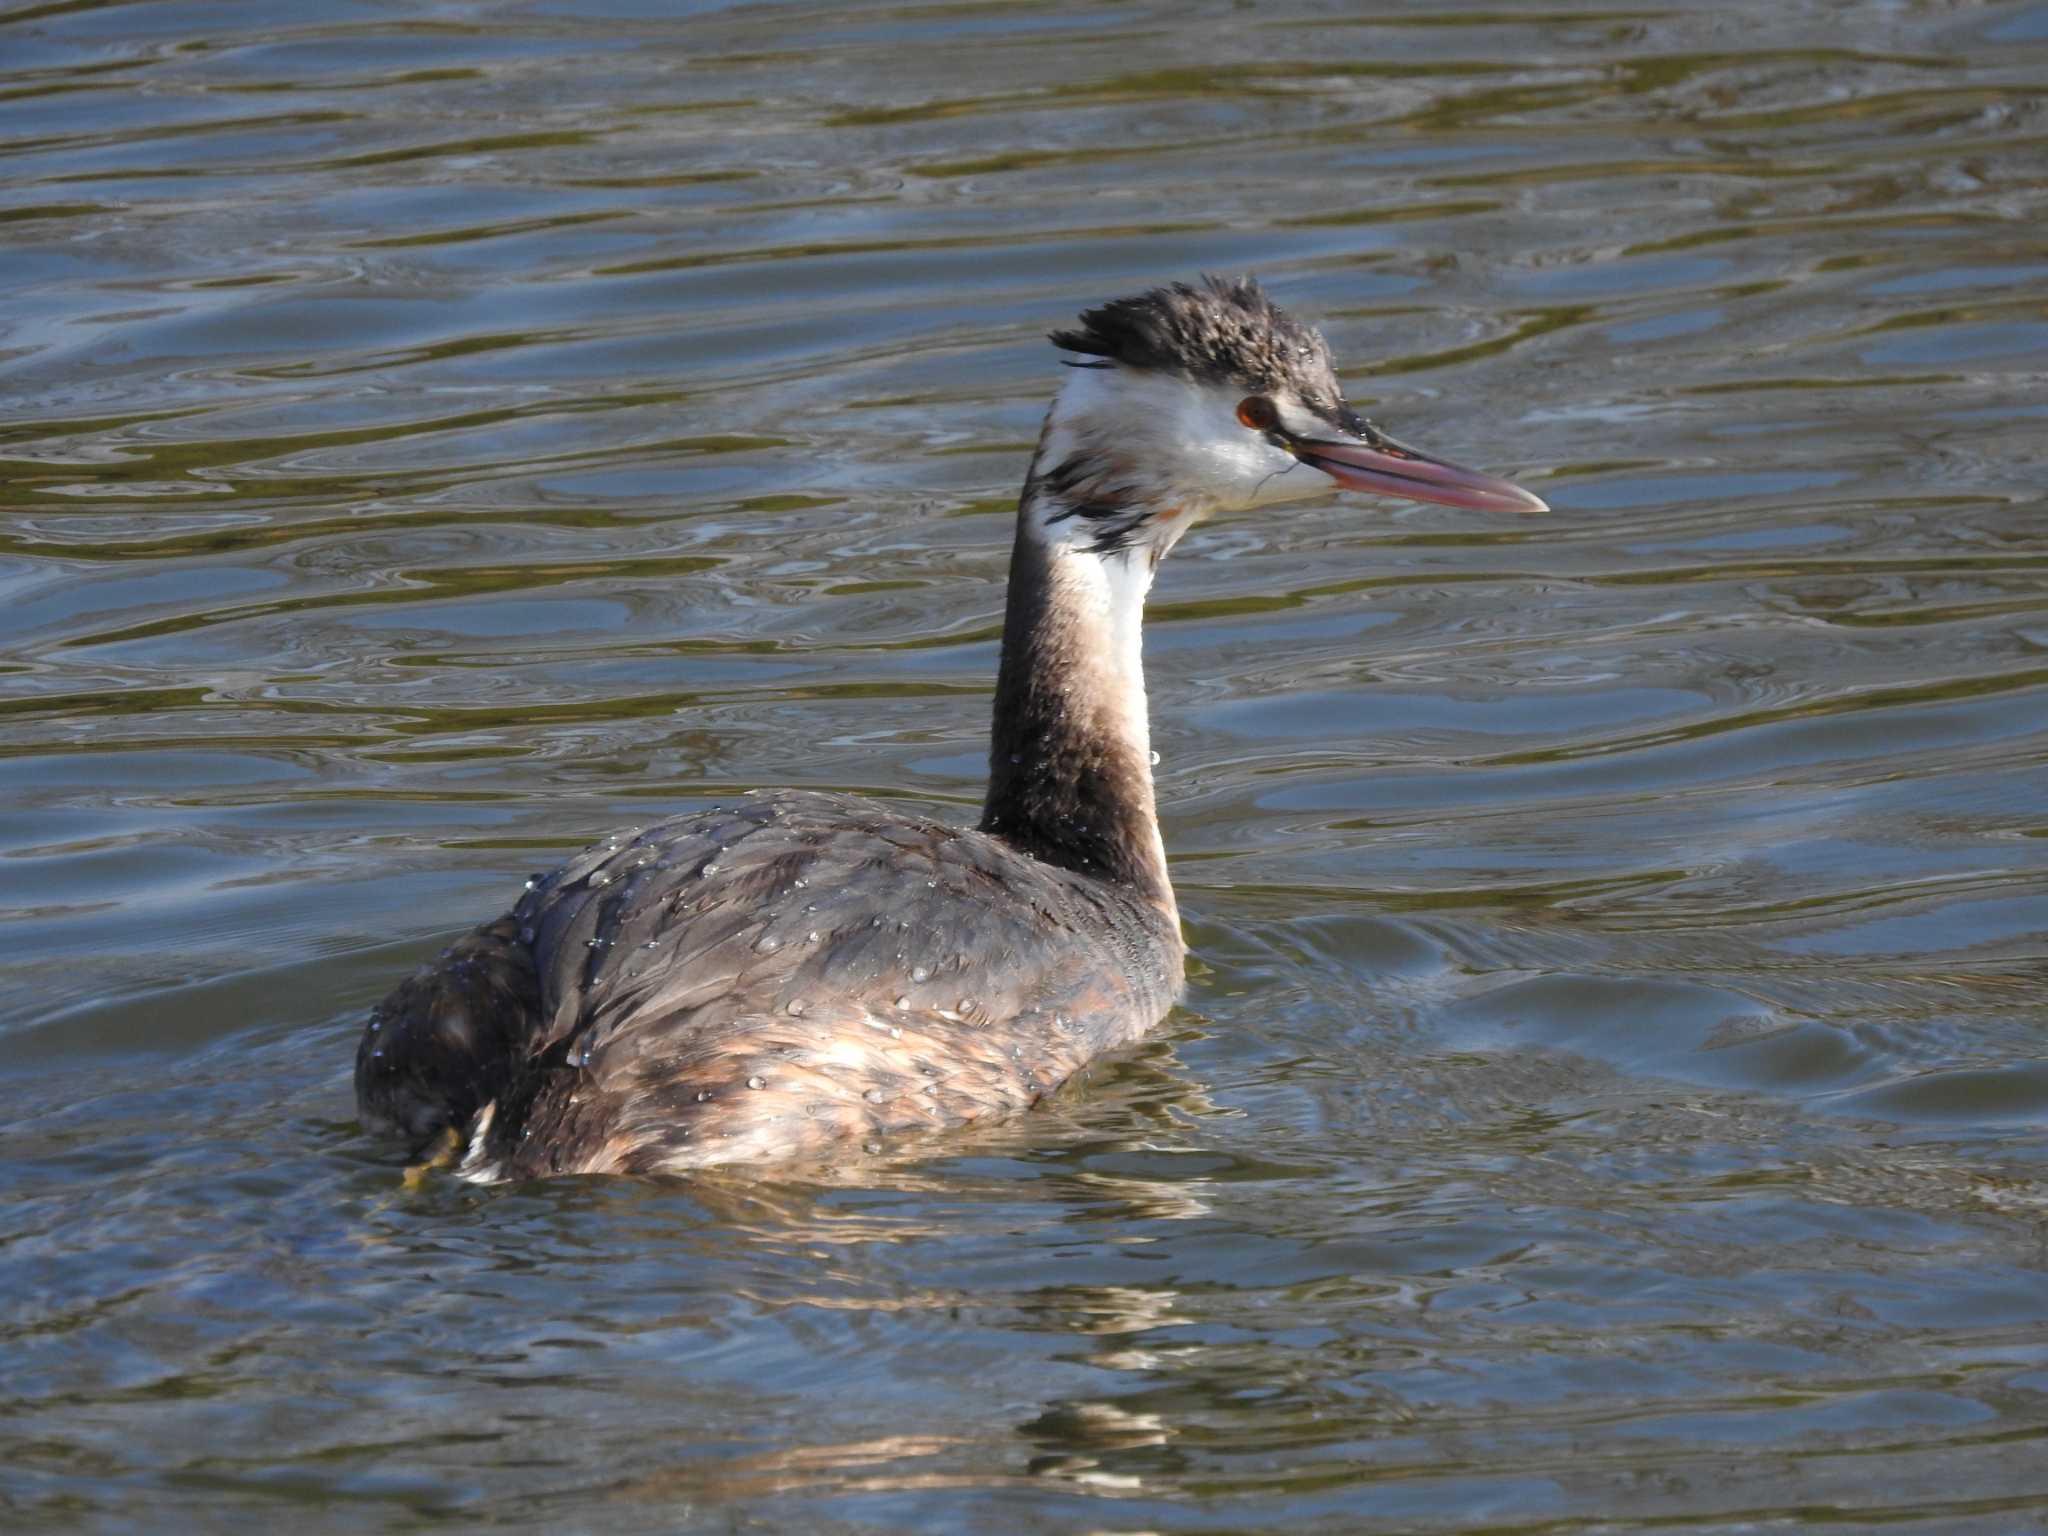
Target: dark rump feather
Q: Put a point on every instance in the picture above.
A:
(450, 1038)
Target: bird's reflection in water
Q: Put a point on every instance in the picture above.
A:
(1124, 1149)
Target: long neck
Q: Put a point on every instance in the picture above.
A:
(1070, 760)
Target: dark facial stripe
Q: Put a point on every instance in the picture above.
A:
(1114, 517)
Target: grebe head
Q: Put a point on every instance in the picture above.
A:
(1198, 399)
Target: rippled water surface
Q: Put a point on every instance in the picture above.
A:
(1612, 1090)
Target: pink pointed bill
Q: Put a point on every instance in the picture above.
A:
(1386, 468)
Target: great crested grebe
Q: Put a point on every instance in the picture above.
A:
(759, 980)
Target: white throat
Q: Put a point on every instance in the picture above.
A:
(1129, 460)
(1101, 602)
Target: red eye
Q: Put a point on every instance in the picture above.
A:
(1258, 413)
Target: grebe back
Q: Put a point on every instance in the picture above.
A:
(757, 981)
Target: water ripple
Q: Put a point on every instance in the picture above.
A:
(1614, 1040)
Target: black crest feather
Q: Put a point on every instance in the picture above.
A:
(1220, 330)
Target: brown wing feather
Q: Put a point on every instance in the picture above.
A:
(759, 980)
